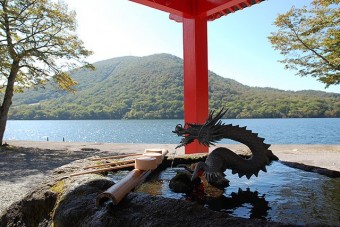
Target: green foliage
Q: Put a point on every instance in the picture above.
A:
(309, 40)
(152, 88)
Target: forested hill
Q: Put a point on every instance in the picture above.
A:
(152, 87)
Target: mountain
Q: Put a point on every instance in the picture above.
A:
(152, 87)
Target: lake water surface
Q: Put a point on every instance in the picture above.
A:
(275, 131)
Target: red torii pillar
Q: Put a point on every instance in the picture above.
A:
(196, 96)
(194, 15)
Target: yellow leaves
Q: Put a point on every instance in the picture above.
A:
(325, 2)
(65, 82)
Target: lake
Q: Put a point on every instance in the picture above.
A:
(275, 131)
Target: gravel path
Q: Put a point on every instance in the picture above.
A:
(25, 163)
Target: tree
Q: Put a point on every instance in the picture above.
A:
(309, 38)
(38, 43)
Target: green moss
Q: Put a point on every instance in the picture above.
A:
(58, 187)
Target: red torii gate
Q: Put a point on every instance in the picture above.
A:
(194, 14)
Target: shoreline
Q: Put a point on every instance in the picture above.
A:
(319, 155)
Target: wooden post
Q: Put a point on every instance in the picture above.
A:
(110, 164)
(103, 170)
(196, 101)
(115, 156)
(119, 190)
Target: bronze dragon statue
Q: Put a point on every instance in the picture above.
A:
(222, 158)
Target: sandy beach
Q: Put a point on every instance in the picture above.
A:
(324, 156)
(29, 162)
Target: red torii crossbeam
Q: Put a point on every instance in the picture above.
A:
(194, 14)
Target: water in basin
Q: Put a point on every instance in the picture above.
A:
(283, 194)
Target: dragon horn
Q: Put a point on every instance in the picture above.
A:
(219, 115)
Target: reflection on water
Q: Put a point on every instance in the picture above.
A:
(245, 204)
(282, 194)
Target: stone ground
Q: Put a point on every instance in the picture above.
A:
(24, 164)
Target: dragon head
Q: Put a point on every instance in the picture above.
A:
(206, 134)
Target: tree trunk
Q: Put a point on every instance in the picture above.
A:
(7, 102)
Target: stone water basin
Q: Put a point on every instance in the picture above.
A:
(283, 194)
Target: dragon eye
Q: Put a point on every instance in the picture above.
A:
(178, 129)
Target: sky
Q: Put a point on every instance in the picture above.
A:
(238, 47)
